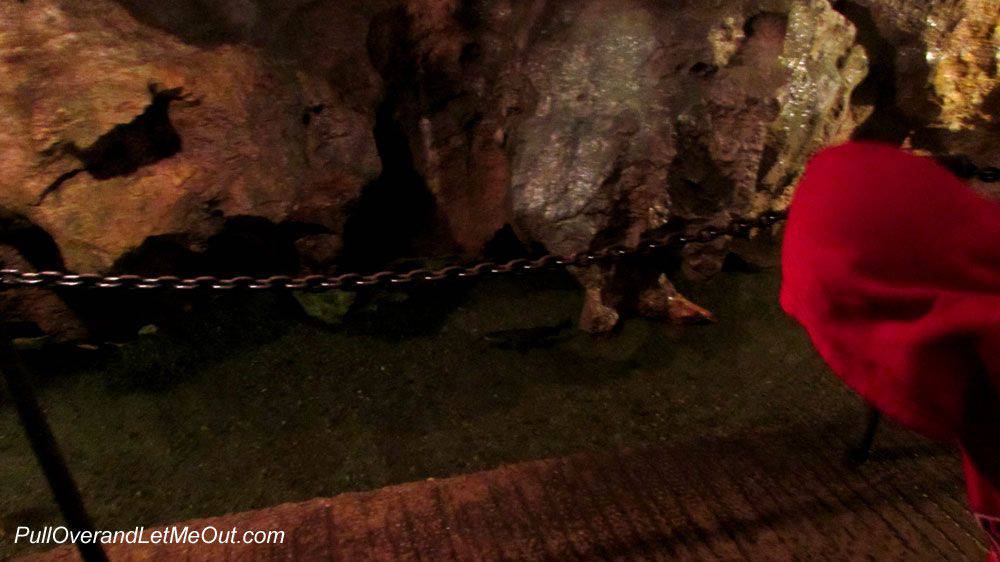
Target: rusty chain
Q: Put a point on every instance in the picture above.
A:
(677, 239)
(60, 480)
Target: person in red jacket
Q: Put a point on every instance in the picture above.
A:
(892, 264)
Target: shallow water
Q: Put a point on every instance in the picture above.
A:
(404, 390)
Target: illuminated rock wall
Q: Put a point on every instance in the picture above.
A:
(579, 123)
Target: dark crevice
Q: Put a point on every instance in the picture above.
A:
(308, 113)
(395, 211)
(506, 245)
(145, 140)
(33, 248)
(245, 245)
(754, 23)
(165, 254)
(472, 14)
(698, 188)
(763, 24)
(396, 216)
(31, 241)
(886, 123)
(471, 54)
(252, 246)
(204, 23)
(768, 159)
(703, 69)
(440, 94)
(620, 217)
(293, 230)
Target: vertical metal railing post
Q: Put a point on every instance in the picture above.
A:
(46, 450)
(860, 453)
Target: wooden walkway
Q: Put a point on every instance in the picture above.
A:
(784, 496)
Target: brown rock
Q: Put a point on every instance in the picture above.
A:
(590, 123)
(443, 62)
(940, 66)
(581, 123)
(36, 307)
(661, 300)
(963, 52)
(318, 251)
(256, 136)
(590, 108)
(601, 301)
(962, 49)
(703, 261)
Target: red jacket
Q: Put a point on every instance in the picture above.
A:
(892, 264)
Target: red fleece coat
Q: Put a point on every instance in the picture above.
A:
(892, 264)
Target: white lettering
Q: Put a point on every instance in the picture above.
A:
(138, 535)
(59, 535)
(21, 533)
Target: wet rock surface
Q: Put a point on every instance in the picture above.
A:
(86, 121)
(602, 120)
(376, 129)
(615, 116)
(26, 308)
(935, 75)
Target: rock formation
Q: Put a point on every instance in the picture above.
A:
(579, 123)
(590, 123)
(249, 133)
(935, 79)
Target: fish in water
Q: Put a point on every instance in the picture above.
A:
(523, 340)
(145, 140)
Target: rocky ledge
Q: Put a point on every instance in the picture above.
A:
(358, 132)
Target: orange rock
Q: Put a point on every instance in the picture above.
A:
(76, 72)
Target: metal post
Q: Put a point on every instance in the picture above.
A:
(860, 453)
(43, 443)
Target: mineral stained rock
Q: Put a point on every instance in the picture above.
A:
(590, 123)
(37, 308)
(946, 48)
(940, 64)
(579, 123)
(963, 53)
(248, 131)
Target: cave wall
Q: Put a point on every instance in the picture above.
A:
(583, 111)
(586, 123)
(254, 128)
(579, 123)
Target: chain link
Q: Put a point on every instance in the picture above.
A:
(965, 168)
(989, 174)
(677, 239)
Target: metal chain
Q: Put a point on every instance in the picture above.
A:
(677, 239)
(963, 167)
(988, 174)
